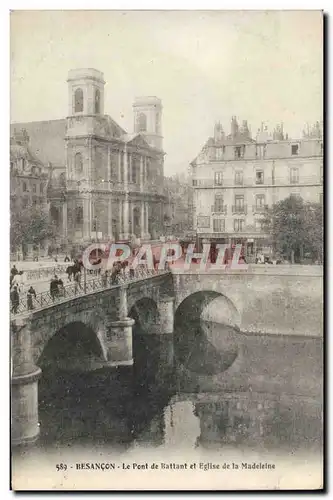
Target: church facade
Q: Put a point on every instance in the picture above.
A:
(104, 184)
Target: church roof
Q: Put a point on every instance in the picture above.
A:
(46, 139)
(135, 137)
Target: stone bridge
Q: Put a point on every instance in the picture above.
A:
(98, 326)
(284, 300)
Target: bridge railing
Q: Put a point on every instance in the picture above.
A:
(76, 289)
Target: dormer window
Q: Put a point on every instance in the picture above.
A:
(239, 151)
(294, 149)
(219, 153)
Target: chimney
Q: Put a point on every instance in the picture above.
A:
(245, 128)
(234, 126)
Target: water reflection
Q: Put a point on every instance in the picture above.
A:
(143, 406)
(205, 348)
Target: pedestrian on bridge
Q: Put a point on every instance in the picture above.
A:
(18, 280)
(54, 287)
(31, 293)
(13, 273)
(13, 270)
(15, 299)
(105, 279)
(77, 279)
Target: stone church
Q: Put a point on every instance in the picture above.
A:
(104, 184)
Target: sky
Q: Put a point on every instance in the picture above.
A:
(206, 66)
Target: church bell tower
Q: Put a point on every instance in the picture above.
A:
(148, 120)
(86, 92)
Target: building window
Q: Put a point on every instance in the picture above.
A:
(296, 196)
(218, 225)
(24, 186)
(78, 101)
(218, 153)
(78, 163)
(148, 168)
(294, 176)
(79, 215)
(239, 152)
(122, 155)
(239, 201)
(218, 203)
(218, 178)
(260, 201)
(24, 203)
(321, 148)
(97, 101)
(321, 198)
(321, 173)
(294, 149)
(41, 188)
(239, 225)
(135, 168)
(34, 188)
(194, 182)
(261, 151)
(203, 222)
(11, 164)
(114, 166)
(259, 177)
(141, 123)
(239, 178)
(259, 225)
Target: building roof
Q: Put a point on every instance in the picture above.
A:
(18, 151)
(46, 139)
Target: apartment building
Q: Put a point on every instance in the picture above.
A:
(235, 177)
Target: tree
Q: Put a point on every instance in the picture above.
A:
(314, 219)
(296, 228)
(29, 226)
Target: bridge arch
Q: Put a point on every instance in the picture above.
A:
(198, 303)
(74, 346)
(145, 313)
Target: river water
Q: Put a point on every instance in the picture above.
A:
(186, 391)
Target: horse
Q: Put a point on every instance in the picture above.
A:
(72, 270)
